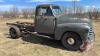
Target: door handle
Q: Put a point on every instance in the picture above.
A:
(45, 18)
(54, 19)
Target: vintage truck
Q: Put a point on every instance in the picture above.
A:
(74, 33)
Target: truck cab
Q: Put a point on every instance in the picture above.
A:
(45, 21)
(50, 20)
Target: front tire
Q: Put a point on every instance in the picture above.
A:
(71, 41)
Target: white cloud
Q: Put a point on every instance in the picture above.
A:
(93, 6)
(87, 6)
(5, 7)
(51, 0)
(1, 0)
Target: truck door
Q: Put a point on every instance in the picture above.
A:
(45, 21)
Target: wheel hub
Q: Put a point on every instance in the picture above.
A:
(70, 41)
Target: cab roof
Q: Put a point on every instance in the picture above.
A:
(46, 5)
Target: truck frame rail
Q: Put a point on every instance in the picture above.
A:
(23, 26)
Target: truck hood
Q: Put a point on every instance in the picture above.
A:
(69, 19)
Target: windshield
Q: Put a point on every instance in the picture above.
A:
(57, 10)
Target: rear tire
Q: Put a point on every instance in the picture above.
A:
(71, 41)
(14, 32)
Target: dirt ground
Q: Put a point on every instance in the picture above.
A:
(40, 46)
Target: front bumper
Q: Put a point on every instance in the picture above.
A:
(86, 46)
(88, 42)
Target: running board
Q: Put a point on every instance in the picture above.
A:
(35, 33)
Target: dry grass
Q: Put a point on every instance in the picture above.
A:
(39, 46)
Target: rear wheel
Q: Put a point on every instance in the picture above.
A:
(14, 32)
(71, 41)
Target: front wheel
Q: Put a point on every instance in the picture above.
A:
(71, 41)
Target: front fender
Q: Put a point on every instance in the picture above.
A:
(80, 29)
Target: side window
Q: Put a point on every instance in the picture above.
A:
(42, 11)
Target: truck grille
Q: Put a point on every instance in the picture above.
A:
(91, 31)
(91, 35)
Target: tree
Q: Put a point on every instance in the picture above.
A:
(28, 13)
(25, 13)
(6, 14)
(93, 13)
(77, 9)
(14, 12)
(96, 13)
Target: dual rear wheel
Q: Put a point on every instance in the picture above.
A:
(14, 32)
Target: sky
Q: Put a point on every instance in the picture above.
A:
(7, 4)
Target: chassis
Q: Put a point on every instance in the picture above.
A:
(22, 28)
